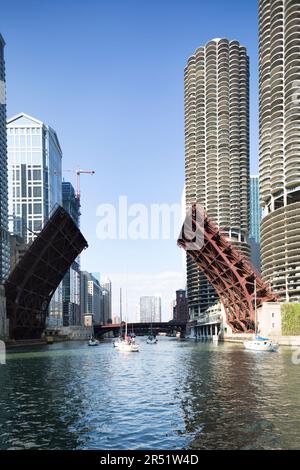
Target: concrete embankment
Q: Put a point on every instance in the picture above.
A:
(292, 341)
(25, 343)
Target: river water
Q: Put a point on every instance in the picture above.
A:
(173, 395)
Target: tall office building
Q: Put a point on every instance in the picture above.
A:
(70, 202)
(279, 83)
(90, 297)
(216, 84)
(255, 219)
(34, 174)
(150, 309)
(4, 234)
(71, 281)
(107, 299)
(34, 184)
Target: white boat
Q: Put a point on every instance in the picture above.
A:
(117, 341)
(126, 344)
(259, 343)
(93, 342)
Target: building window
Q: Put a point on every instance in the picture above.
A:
(37, 208)
(37, 225)
(37, 191)
(36, 175)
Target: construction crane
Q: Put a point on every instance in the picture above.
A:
(78, 173)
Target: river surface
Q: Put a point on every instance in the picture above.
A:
(173, 395)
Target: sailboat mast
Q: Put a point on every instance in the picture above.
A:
(120, 304)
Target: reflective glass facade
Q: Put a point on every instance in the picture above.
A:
(4, 234)
(255, 219)
(34, 174)
(71, 281)
(255, 209)
(34, 183)
(150, 309)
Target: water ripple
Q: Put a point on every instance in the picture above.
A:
(173, 395)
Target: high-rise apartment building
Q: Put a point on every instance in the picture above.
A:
(150, 309)
(216, 82)
(4, 234)
(279, 89)
(255, 219)
(71, 281)
(34, 184)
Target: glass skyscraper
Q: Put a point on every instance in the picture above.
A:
(255, 219)
(34, 174)
(255, 209)
(150, 309)
(4, 234)
(34, 183)
(71, 281)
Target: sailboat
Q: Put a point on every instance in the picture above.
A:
(120, 337)
(151, 337)
(126, 344)
(259, 343)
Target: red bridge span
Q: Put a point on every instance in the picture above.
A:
(227, 270)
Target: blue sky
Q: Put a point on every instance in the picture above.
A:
(108, 76)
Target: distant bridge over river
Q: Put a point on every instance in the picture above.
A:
(142, 328)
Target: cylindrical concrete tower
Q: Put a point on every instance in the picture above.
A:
(217, 149)
(279, 81)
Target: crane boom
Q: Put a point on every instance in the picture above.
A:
(78, 173)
